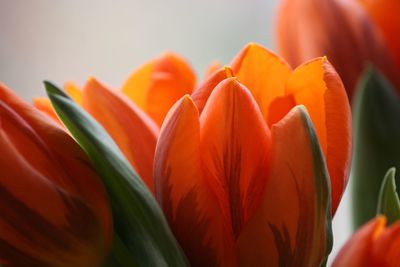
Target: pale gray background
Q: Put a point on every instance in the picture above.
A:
(70, 40)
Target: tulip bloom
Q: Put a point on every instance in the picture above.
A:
(53, 207)
(235, 167)
(351, 33)
(132, 117)
(372, 245)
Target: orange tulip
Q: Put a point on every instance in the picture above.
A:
(373, 245)
(351, 33)
(234, 165)
(133, 117)
(53, 207)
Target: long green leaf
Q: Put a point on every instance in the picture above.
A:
(377, 142)
(388, 203)
(139, 224)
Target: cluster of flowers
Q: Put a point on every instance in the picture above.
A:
(245, 168)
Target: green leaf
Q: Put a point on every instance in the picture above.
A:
(388, 203)
(377, 142)
(139, 224)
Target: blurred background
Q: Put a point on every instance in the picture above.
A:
(71, 40)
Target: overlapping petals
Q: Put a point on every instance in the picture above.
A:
(238, 166)
(54, 210)
(351, 33)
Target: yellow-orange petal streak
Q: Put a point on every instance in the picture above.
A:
(133, 131)
(188, 203)
(288, 228)
(157, 85)
(203, 91)
(74, 92)
(317, 86)
(44, 105)
(263, 73)
(234, 150)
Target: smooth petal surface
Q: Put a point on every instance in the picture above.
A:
(44, 105)
(184, 195)
(157, 85)
(317, 86)
(203, 91)
(371, 246)
(263, 73)
(133, 131)
(292, 225)
(234, 149)
(385, 14)
(306, 29)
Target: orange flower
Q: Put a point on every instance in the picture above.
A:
(351, 33)
(133, 117)
(373, 245)
(235, 168)
(54, 210)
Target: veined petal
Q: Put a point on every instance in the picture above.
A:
(203, 91)
(52, 152)
(40, 223)
(157, 85)
(306, 28)
(317, 86)
(234, 149)
(133, 131)
(263, 73)
(190, 206)
(291, 227)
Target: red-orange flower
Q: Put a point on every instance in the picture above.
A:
(351, 33)
(234, 166)
(132, 117)
(373, 245)
(53, 207)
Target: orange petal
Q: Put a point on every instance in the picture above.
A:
(263, 73)
(213, 67)
(157, 85)
(317, 86)
(184, 195)
(387, 246)
(234, 149)
(133, 131)
(74, 92)
(202, 92)
(35, 222)
(385, 13)
(52, 152)
(289, 227)
(44, 105)
(357, 252)
(306, 28)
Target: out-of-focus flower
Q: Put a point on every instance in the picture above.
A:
(351, 33)
(53, 207)
(236, 165)
(132, 117)
(373, 245)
